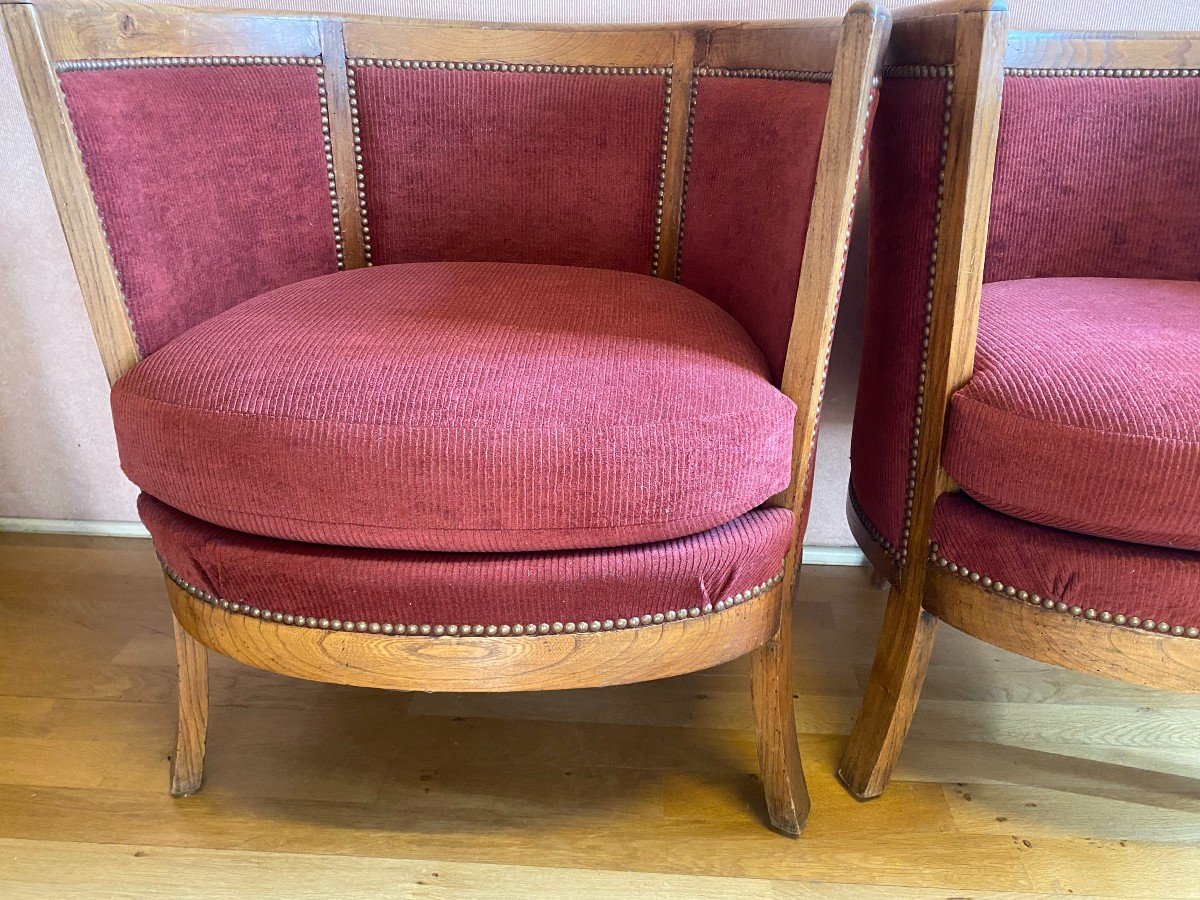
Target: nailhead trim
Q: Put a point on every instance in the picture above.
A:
(359, 176)
(918, 71)
(1049, 603)
(910, 493)
(662, 172)
(776, 74)
(397, 629)
(339, 245)
(865, 521)
(508, 67)
(837, 303)
(1105, 73)
(687, 172)
(146, 62)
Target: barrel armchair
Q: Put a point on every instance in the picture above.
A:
(453, 357)
(1026, 446)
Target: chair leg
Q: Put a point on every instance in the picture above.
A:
(775, 724)
(187, 763)
(901, 659)
(877, 579)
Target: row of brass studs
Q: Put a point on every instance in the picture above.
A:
(395, 629)
(76, 65)
(872, 531)
(911, 486)
(537, 68)
(687, 173)
(662, 172)
(359, 177)
(339, 244)
(917, 71)
(1105, 73)
(774, 74)
(837, 302)
(1049, 603)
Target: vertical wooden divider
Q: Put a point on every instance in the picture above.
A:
(341, 138)
(675, 158)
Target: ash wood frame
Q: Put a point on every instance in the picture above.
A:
(972, 35)
(43, 34)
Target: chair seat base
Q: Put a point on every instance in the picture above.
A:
(481, 663)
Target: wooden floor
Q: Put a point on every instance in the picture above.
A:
(1018, 779)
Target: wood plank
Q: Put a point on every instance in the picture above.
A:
(440, 42)
(612, 789)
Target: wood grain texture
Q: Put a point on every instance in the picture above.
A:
(84, 30)
(73, 199)
(779, 760)
(1111, 651)
(806, 47)
(675, 154)
(341, 141)
(1103, 50)
(1019, 779)
(580, 46)
(860, 49)
(187, 762)
(906, 642)
(547, 662)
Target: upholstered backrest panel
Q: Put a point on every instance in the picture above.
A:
(752, 167)
(505, 165)
(1097, 175)
(906, 163)
(210, 180)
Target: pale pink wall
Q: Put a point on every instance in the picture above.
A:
(57, 457)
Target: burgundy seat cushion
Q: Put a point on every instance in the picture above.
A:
(513, 592)
(1084, 409)
(1151, 588)
(460, 407)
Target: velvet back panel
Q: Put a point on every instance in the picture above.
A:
(510, 166)
(905, 174)
(1097, 176)
(210, 181)
(752, 165)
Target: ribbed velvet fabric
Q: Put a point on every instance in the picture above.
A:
(511, 166)
(1092, 573)
(905, 152)
(1084, 409)
(460, 407)
(752, 172)
(408, 588)
(210, 181)
(1097, 176)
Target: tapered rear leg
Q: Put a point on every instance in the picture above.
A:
(901, 660)
(775, 724)
(187, 762)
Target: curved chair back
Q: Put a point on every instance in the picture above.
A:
(228, 153)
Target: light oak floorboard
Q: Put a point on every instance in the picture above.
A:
(1018, 779)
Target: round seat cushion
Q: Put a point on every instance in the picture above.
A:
(1084, 409)
(403, 591)
(460, 407)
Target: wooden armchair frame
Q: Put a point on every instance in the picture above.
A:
(972, 36)
(47, 36)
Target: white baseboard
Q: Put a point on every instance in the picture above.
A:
(814, 555)
(74, 526)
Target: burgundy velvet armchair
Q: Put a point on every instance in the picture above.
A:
(462, 358)
(1026, 448)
